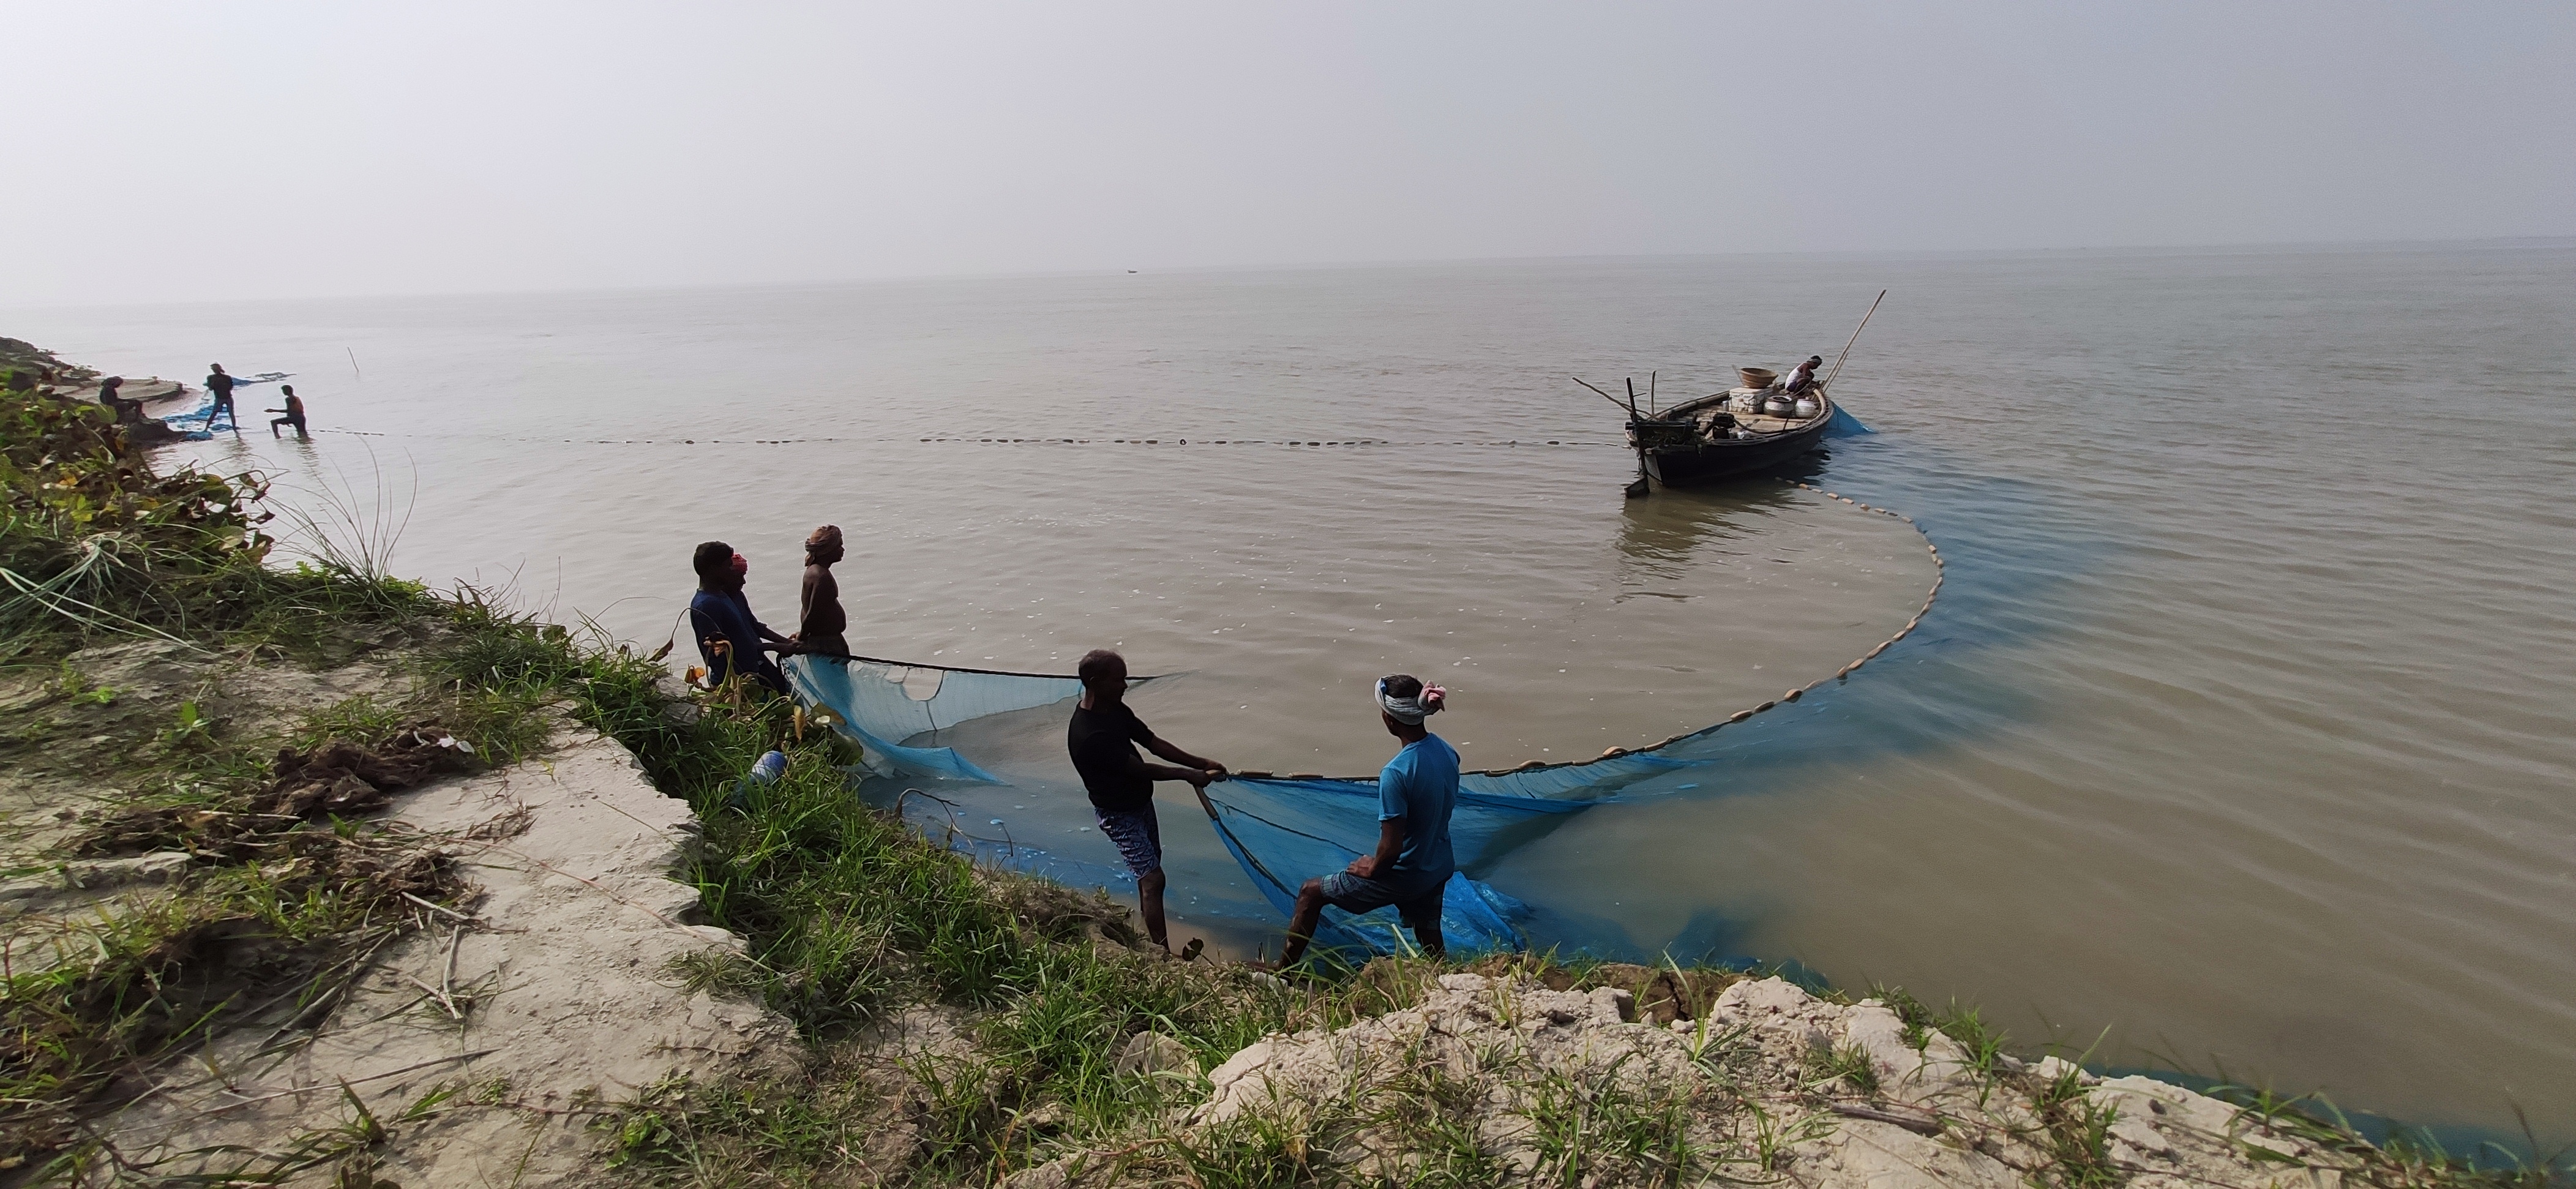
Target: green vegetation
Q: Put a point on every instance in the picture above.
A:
(280, 901)
(850, 914)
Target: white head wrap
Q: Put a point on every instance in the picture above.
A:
(1411, 711)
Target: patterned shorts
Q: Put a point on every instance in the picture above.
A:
(1139, 837)
(1352, 893)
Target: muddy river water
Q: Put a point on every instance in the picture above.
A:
(2242, 728)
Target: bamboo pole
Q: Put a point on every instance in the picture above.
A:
(1605, 396)
(1864, 325)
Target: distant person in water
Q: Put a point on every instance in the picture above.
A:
(1805, 376)
(1416, 792)
(821, 624)
(1102, 739)
(219, 385)
(729, 635)
(294, 411)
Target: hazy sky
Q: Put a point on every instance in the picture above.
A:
(270, 149)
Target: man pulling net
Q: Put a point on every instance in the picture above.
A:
(1417, 793)
(1102, 739)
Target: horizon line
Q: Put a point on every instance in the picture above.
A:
(2495, 241)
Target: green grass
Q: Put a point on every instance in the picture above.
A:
(850, 914)
(1843, 1067)
(1592, 1129)
(275, 915)
(2075, 1133)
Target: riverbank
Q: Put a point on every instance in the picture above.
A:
(348, 947)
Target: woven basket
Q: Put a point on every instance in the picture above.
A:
(1758, 377)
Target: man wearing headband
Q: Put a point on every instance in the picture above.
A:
(728, 633)
(1102, 739)
(1416, 793)
(821, 626)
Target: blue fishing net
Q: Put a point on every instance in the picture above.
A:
(205, 413)
(881, 703)
(1281, 831)
(205, 410)
(1285, 832)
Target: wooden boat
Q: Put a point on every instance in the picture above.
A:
(1720, 436)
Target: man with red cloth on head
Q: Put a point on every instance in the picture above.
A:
(728, 634)
(1416, 792)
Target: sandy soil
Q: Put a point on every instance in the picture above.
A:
(1496, 1049)
(558, 991)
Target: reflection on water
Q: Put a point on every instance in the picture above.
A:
(1659, 535)
(2241, 727)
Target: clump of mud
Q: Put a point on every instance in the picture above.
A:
(1063, 914)
(336, 779)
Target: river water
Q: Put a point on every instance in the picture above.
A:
(2241, 730)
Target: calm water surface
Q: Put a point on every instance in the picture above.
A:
(2242, 728)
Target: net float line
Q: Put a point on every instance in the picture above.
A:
(1915, 621)
(1930, 596)
(1300, 443)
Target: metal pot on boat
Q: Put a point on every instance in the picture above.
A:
(1804, 408)
(1778, 406)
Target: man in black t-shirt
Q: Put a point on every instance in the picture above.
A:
(219, 384)
(1103, 741)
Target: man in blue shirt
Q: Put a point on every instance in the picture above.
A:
(1417, 791)
(720, 617)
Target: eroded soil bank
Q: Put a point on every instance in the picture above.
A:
(484, 1024)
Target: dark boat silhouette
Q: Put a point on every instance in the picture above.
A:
(1726, 434)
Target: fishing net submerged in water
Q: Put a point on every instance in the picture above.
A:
(1282, 831)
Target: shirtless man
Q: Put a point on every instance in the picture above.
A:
(294, 411)
(822, 625)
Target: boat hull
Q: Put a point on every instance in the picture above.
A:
(1716, 461)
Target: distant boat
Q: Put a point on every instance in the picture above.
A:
(1736, 432)
(1730, 433)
